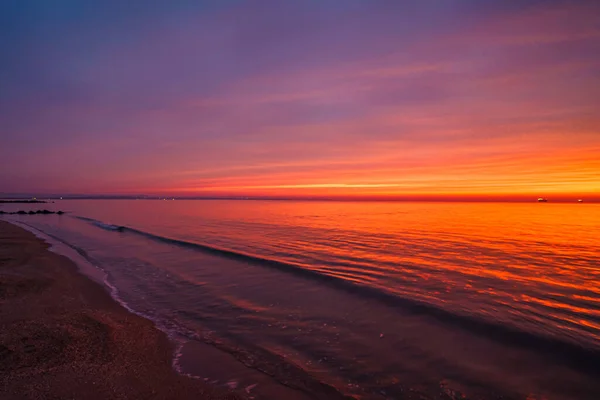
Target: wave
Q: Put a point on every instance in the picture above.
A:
(110, 227)
(103, 225)
(577, 355)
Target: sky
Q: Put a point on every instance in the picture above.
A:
(354, 98)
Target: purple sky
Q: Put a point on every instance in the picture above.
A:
(299, 97)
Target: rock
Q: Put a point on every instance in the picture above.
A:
(31, 212)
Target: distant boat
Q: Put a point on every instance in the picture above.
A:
(542, 200)
(580, 201)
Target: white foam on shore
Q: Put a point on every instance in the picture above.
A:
(99, 275)
(85, 267)
(178, 335)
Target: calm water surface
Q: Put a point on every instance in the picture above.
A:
(374, 299)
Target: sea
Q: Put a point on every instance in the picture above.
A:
(365, 300)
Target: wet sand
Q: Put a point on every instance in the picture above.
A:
(63, 336)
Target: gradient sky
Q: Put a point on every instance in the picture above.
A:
(299, 98)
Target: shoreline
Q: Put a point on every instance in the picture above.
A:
(200, 361)
(63, 336)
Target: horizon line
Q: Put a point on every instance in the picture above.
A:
(474, 198)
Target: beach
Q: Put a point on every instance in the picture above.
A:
(62, 335)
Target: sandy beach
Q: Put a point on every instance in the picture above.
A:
(62, 336)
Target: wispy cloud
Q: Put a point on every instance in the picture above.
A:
(337, 100)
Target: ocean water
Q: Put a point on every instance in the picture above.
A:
(368, 299)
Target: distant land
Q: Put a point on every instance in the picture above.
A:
(21, 201)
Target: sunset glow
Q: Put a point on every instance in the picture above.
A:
(463, 99)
